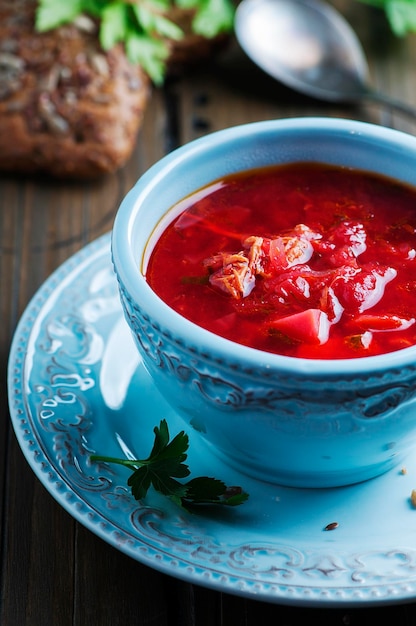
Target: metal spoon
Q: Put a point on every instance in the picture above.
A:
(310, 47)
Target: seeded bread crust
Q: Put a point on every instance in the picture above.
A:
(66, 108)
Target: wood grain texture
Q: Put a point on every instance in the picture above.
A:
(54, 572)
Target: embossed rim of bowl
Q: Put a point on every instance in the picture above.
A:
(393, 153)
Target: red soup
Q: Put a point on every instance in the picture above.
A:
(305, 260)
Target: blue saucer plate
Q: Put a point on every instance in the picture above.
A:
(77, 387)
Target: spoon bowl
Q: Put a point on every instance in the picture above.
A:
(309, 46)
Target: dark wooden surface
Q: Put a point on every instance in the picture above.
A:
(54, 571)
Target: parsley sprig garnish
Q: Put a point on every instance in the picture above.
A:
(142, 26)
(164, 465)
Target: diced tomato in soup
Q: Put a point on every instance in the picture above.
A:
(304, 260)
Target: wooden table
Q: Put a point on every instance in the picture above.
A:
(55, 572)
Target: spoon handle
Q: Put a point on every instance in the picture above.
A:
(390, 102)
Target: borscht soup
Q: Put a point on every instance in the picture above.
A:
(304, 260)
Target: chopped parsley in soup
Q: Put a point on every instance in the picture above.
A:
(303, 260)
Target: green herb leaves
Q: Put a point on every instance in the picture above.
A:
(142, 26)
(211, 16)
(401, 14)
(165, 464)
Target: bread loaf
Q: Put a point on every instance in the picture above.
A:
(66, 107)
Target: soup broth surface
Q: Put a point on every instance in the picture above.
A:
(303, 260)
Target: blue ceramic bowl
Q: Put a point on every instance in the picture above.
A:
(296, 422)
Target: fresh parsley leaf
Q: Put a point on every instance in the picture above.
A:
(152, 21)
(114, 26)
(166, 463)
(401, 14)
(151, 54)
(51, 13)
(213, 17)
(162, 439)
(140, 482)
(142, 26)
(144, 477)
(165, 450)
